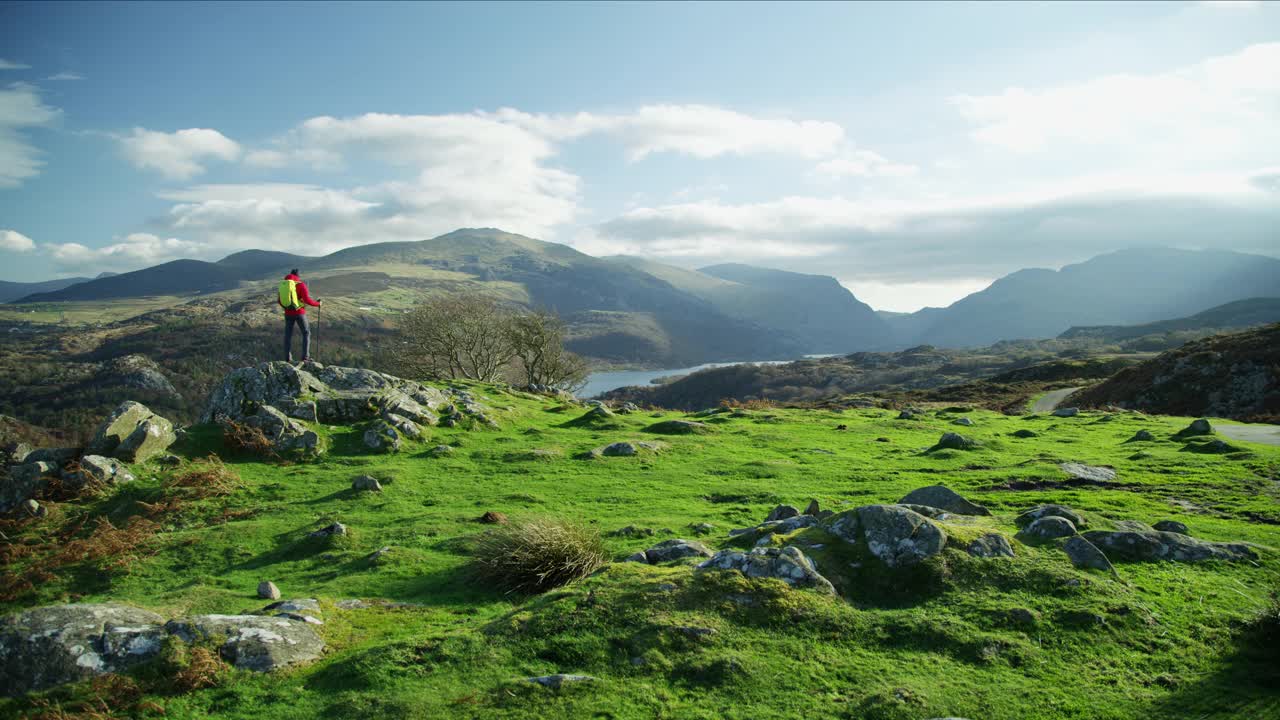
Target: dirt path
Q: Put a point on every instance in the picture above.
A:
(1265, 434)
(1049, 401)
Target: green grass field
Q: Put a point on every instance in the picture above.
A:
(1163, 640)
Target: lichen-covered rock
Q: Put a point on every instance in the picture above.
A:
(620, 449)
(1048, 528)
(252, 642)
(678, 427)
(286, 435)
(990, 545)
(1040, 511)
(1155, 545)
(399, 403)
(25, 482)
(1084, 554)
(135, 371)
(48, 646)
(1088, 473)
(954, 441)
(966, 422)
(669, 550)
(299, 409)
(381, 435)
(440, 451)
(1141, 436)
(559, 681)
(98, 469)
(267, 590)
(403, 425)
(132, 433)
(1066, 412)
(787, 564)
(895, 535)
(366, 483)
(943, 497)
(244, 390)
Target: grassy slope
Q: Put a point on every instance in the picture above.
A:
(1167, 648)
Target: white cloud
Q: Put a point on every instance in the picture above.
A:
(14, 241)
(863, 163)
(132, 252)
(21, 108)
(66, 76)
(1226, 103)
(702, 131)
(10, 65)
(942, 241)
(177, 155)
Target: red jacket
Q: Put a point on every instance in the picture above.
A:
(303, 297)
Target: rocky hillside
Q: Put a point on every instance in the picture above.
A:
(323, 546)
(1235, 376)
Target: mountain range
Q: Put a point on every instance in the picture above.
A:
(634, 310)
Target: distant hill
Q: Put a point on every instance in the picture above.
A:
(10, 291)
(262, 263)
(821, 315)
(179, 277)
(1126, 287)
(1233, 315)
(1235, 375)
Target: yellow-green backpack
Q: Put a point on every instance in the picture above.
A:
(289, 294)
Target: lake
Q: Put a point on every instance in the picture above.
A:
(605, 381)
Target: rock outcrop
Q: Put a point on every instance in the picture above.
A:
(787, 564)
(133, 433)
(1155, 545)
(943, 498)
(895, 535)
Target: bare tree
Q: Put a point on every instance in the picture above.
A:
(537, 342)
(460, 335)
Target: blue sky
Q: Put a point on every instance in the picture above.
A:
(915, 151)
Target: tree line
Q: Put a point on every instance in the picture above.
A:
(476, 337)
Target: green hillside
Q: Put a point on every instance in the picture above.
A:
(1026, 638)
(1239, 314)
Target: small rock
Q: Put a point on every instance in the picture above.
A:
(883, 439)
(556, 682)
(637, 557)
(962, 421)
(906, 415)
(1172, 526)
(620, 449)
(632, 531)
(267, 590)
(440, 451)
(1040, 511)
(378, 554)
(1023, 616)
(702, 528)
(669, 550)
(1142, 436)
(1024, 433)
(812, 508)
(329, 530)
(782, 512)
(493, 518)
(679, 427)
(1066, 412)
(1049, 527)
(1197, 427)
(990, 545)
(1084, 554)
(954, 441)
(34, 509)
(943, 497)
(366, 482)
(842, 426)
(1090, 473)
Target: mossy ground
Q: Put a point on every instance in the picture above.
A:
(1162, 640)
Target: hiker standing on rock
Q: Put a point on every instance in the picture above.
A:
(294, 298)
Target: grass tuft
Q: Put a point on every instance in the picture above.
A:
(537, 555)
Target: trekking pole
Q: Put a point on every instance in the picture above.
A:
(315, 335)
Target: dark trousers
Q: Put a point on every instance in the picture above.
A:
(301, 322)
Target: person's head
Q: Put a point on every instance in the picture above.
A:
(293, 271)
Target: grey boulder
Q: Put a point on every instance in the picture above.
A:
(1084, 554)
(990, 545)
(1050, 510)
(1155, 545)
(944, 498)
(676, 549)
(252, 642)
(954, 441)
(787, 564)
(1088, 473)
(1048, 528)
(48, 646)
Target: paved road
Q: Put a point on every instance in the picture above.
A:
(1265, 434)
(1049, 401)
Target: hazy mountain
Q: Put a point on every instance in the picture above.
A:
(263, 263)
(179, 277)
(1233, 315)
(10, 291)
(1120, 288)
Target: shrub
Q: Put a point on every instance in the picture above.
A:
(248, 439)
(537, 555)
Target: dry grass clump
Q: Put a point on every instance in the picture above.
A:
(241, 437)
(538, 554)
